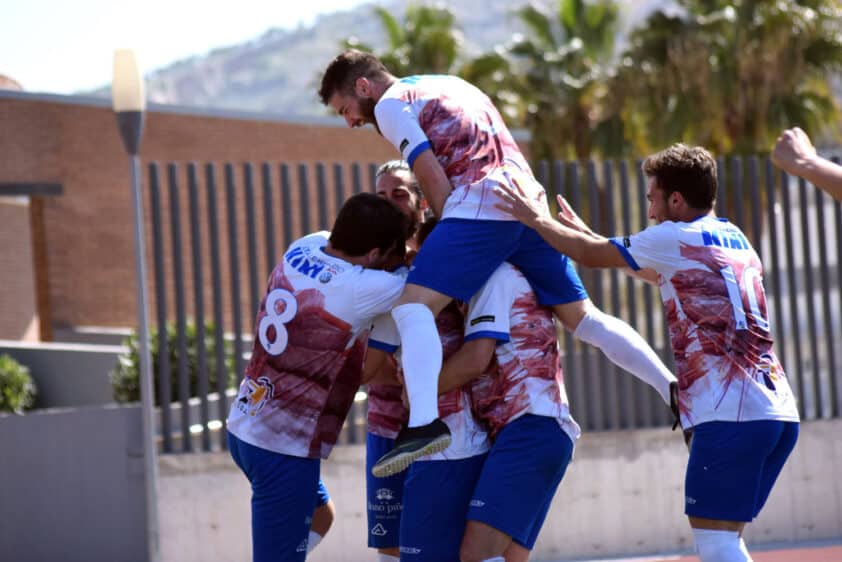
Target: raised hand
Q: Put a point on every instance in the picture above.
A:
(568, 217)
(514, 201)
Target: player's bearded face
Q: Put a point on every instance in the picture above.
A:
(366, 106)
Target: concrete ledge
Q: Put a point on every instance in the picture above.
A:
(622, 495)
(67, 374)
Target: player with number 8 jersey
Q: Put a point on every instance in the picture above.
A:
(306, 365)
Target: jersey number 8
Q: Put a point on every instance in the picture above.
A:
(277, 320)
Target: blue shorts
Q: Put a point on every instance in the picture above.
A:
(520, 477)
(460, 255)
(733, 466)
(322, 497)
(436, 496)
(282, 501)
(384, 497)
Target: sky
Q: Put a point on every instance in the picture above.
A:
(66, 46)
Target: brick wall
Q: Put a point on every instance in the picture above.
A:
(88, 228)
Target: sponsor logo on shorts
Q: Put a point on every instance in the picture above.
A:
(481, 319)
(379, 530)
(477, 503)
(302, 547)
(404, 144)
(410, 550)
(690, 500)
(384, 494)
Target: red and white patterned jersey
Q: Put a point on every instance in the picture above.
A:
(711, 282)
(467, 135)
(310, 339)
(468, 438)
(528, 377)
(386, 412)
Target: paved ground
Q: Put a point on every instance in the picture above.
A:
(816, 553)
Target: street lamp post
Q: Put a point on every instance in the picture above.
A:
(129, 104)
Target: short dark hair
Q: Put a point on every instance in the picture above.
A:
(395, 166)
(366, 222)
(426, 229)
(343, 71)
(689, 170)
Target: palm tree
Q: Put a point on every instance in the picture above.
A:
(427, 41)
(558, 73)
(731, 74)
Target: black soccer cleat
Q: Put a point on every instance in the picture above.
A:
(411, 444)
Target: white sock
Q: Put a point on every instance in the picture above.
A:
(421, 358)
(744, 549)
(495, 559)
(720, 546)
(626, 348)
(313, 541)
(387, 558)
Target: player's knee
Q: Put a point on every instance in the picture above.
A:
(719, 546)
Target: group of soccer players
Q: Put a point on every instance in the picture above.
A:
(451, 323)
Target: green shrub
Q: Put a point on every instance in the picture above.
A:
(125, 379)
(17, 389)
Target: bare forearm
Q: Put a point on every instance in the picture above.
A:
(468, 363)
(824, 174)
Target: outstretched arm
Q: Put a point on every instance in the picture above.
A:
(586, 248)
(795, 154)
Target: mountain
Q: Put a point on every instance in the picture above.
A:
(279, 71)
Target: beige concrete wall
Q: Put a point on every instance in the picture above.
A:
(621, 495)
(18, 313)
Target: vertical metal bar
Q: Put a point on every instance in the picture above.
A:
(615, 378)
(543, 173)
(164, 373)
(321, 190)
(578, 367)
(792, 295)
(372, 177)
(268, 217)
(737, 190)
(180, 314)
(648, 409)
(234, 267)
(721, 204)
(251, 240)
(756, 214)
(199, 304)
(220, 368)
(781, 334)
(286, 206)
(356, 178)
(304, 199)
(827, 316)
(339, 186)
(809, 295)
(837, 218)
(597, 362)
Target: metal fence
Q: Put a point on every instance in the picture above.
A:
(218, 231)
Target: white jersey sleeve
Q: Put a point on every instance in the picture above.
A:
(489, 312)
(399, 125)
(655, 248)
(376, 292)
(384, 334)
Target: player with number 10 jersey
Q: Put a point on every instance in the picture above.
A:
(715, 306)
